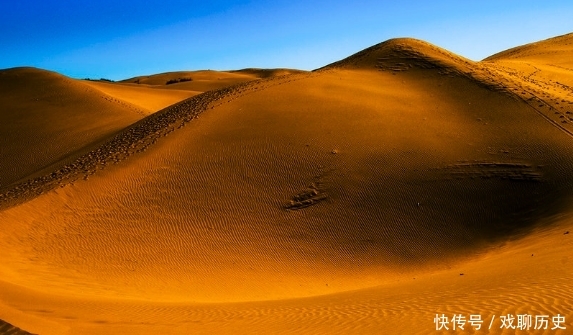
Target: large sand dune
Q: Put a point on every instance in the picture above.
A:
(46, 117)
(365, 197)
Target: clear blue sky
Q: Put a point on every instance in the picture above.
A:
(119, 39)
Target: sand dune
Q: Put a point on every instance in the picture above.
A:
(155, 92)
(555, 51)
(402, 54)
(206, 80)
(148, 99)
(47, 117)
(501, 280)
(365, 197)
(541, 74)
(79, 113)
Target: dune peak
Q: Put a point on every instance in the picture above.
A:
(555, 51)
(401, 54)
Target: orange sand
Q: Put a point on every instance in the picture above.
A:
(365, 198)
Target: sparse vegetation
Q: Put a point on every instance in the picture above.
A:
(101, 79)
(178, 80)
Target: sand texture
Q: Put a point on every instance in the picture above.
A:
(361, 198)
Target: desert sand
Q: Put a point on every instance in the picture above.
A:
(361, 198)
(47, 117)
(155, 92)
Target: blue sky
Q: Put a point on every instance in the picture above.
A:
(120, 39)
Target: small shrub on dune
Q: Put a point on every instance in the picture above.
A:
(178, 80)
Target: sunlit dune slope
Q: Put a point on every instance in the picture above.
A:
(206, 80)
(541, 74)
(163, 79)
(148, 99)
(401, 54)
(310, 184)
(546, 66)
(554, 51)
(155, 92)
(45, 117)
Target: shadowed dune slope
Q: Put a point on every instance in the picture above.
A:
(8, 329)
(45, 117)
(267, 73)
(302, 185)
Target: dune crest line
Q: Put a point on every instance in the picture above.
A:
(133, 139)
